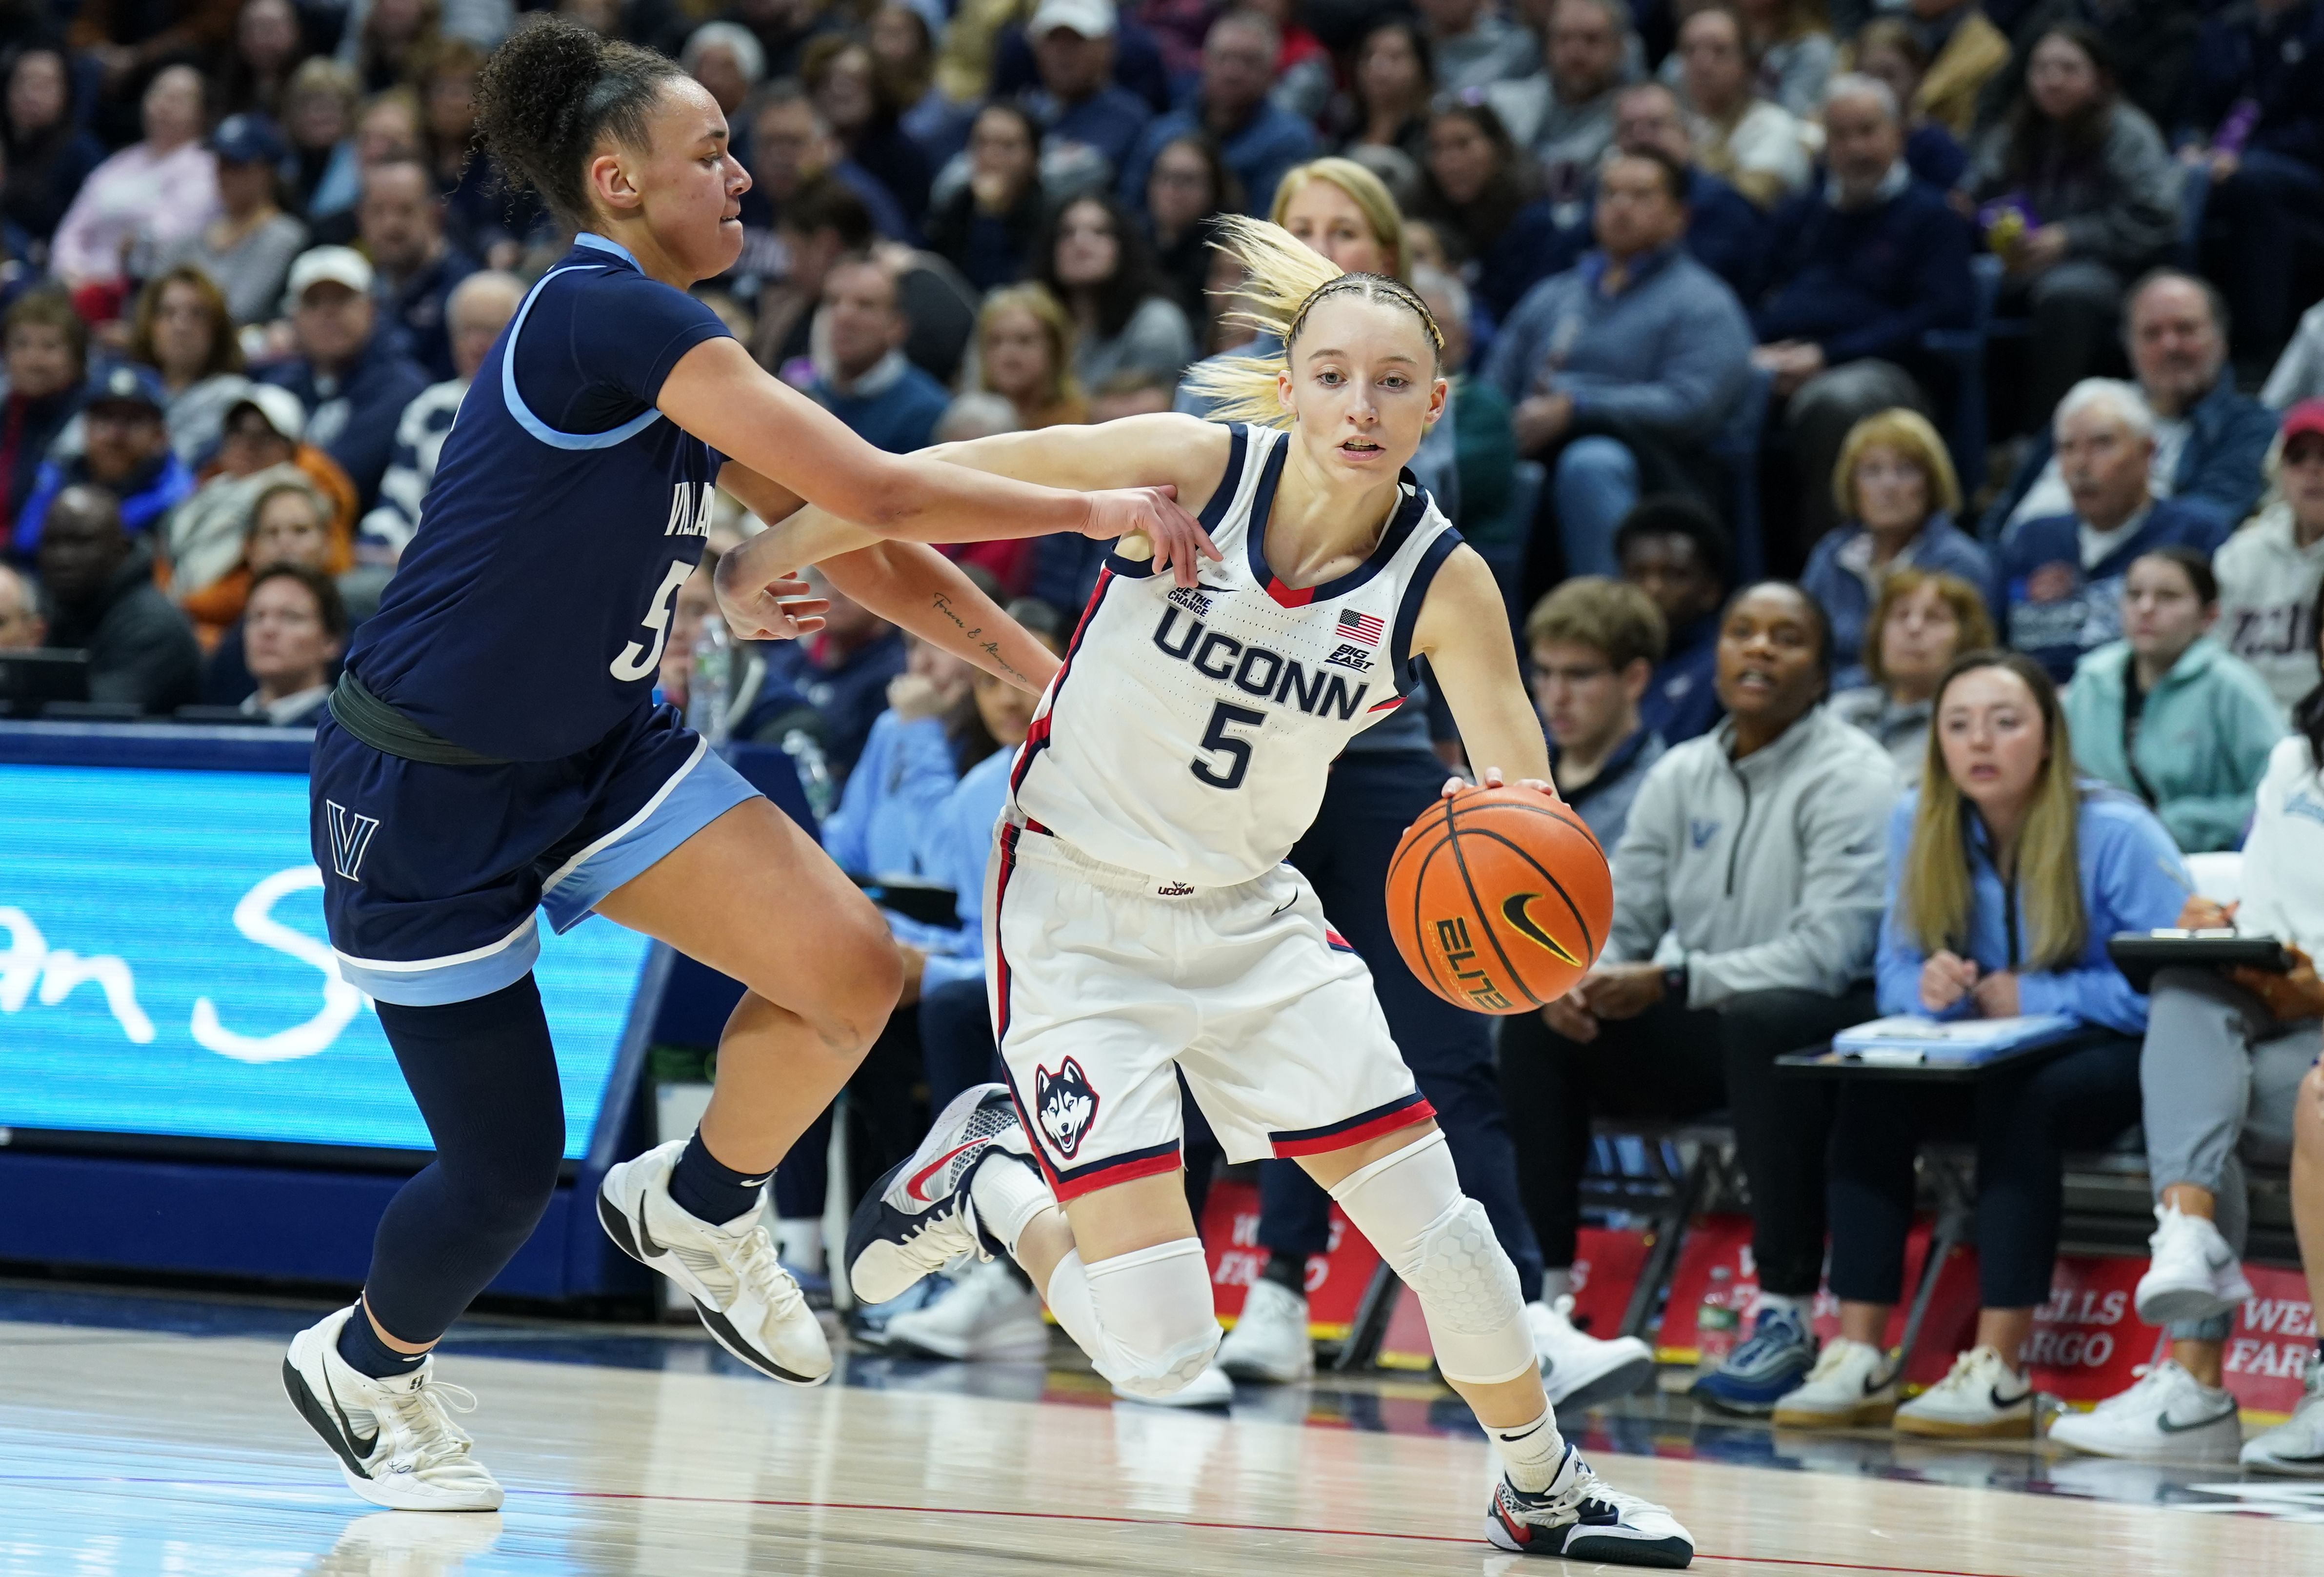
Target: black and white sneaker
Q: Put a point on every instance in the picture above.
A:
(748, 1302)
(396, 1444)
(919, 1217)
(1582, 1518)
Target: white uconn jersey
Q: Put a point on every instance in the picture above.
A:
(1190, 733)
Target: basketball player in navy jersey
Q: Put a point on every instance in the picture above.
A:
(493, 750)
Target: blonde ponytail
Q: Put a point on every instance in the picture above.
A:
(1283, 281)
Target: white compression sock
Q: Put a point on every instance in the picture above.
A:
(1530, 1452)
(1009, 1193)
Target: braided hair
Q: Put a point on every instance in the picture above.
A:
(548, 95)
(1283, 283)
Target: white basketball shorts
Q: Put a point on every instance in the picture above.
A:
(1107, 984)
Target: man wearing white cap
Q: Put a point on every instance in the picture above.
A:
(1078, 101)
(353, 380)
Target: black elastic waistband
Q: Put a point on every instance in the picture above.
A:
(384, 728)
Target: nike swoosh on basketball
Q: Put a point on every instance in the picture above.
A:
(1513, 909)
(912, 1185)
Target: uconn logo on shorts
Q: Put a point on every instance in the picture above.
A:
(1065, 1105)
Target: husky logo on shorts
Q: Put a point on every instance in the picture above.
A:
(1065, 1104)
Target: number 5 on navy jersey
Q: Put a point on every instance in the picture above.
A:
(630, 665)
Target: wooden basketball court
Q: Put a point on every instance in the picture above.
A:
(141, 1434)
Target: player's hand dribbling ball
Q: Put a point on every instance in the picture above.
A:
(1500, 899)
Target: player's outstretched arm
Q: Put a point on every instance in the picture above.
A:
(908, 583)
(1464, 630)
(721, 396)
(1179, 452)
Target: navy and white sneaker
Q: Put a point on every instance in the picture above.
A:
(1582, 1518)
(1778, 1355)
(919, 1217)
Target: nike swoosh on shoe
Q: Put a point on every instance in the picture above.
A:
(2169, 1427)
(2004, 1403)
(646, 1244)
(363, 1448)
(912, 1184)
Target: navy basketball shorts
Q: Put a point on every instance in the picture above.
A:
(433, 877)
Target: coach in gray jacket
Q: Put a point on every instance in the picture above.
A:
(1748, 888)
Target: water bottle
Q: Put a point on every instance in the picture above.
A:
(814, 771)
(1715, 1324)
(710, 689)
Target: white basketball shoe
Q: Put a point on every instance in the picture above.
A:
(396, 1442)
(1269, 1343)
(2193, 1274)
(1578, 1369)
(1582, 1518)
(989, 1315)
(748, 1302)
(919, 1217)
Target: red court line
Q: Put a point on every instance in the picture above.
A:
(1433, 1539)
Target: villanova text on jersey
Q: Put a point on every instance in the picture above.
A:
(531, 610)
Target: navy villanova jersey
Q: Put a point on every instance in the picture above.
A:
(528, 615)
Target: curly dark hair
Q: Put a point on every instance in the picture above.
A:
(550, 92)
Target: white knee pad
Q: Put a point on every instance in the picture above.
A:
(1410, 1207)
(1144, 1318)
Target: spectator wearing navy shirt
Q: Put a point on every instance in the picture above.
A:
(50, 151)
(47, 358)
(843, 671)
(2253, 130)
(847, 88)
(1259, 140)
(1078, 104)
(861, 375)
(1887, 47)
(1594, 644)
(1678, 554)
(2064, 572)
(125, 451)
(2211, 441)
(351, 374)
(1862, 265)
(401, 218)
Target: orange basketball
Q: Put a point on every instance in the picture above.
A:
(1500, 899)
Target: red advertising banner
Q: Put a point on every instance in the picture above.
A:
(1606, 1267)
(1716, 1240)
(2267, 1352)
(1336, 1278)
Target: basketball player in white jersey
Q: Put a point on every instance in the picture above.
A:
(1140, 922)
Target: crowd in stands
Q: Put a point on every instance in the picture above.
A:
(1897, 426)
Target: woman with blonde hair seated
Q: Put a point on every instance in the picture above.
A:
(1024, 352)
(2008, 871)
(1897, 497)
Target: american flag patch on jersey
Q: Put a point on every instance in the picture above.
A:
(1364, 627)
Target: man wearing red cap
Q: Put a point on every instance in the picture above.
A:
(2270, 571)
